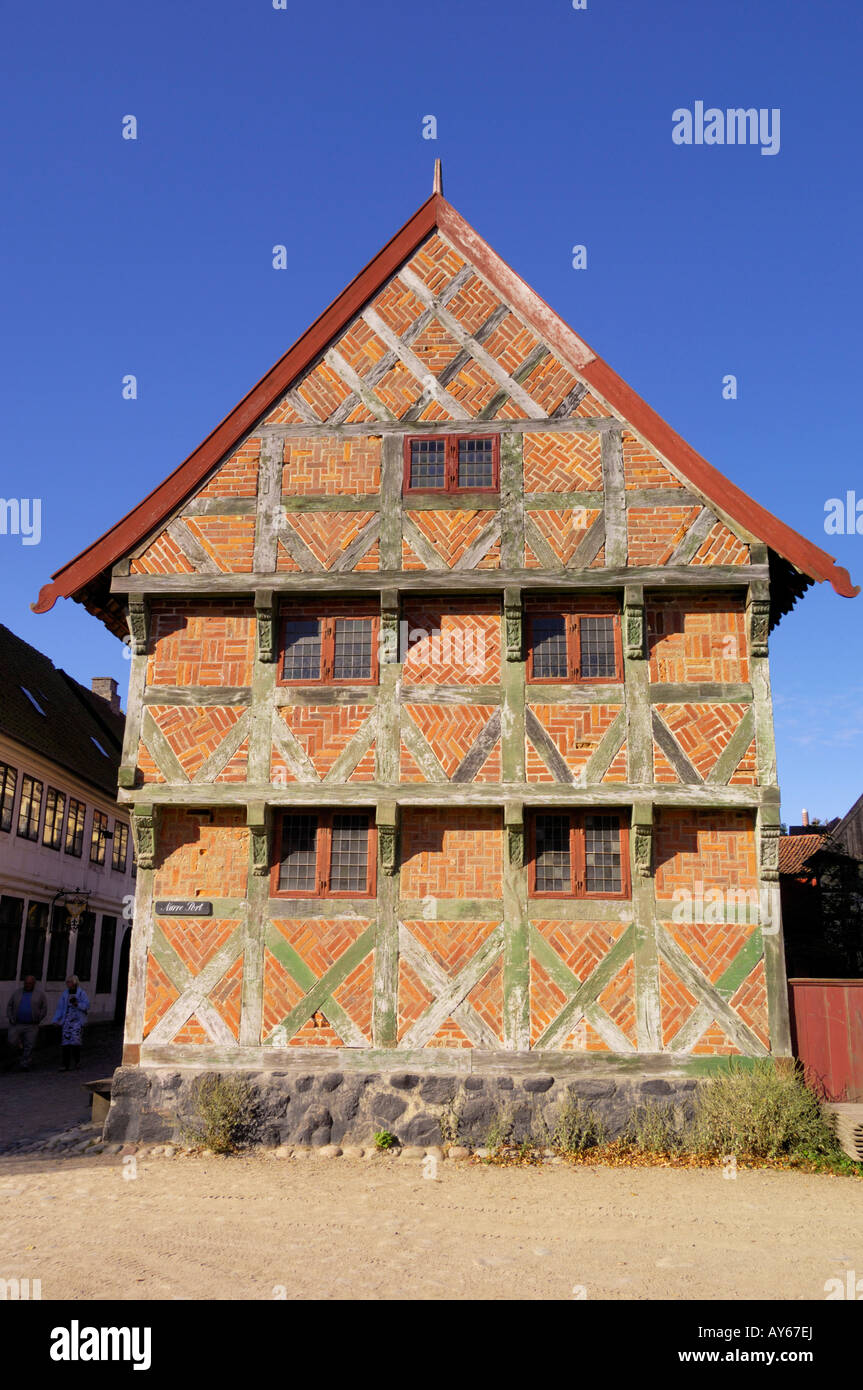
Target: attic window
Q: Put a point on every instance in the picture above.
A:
(452, 463)
(33, 701)
(99, 746)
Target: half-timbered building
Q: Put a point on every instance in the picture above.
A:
(449, 744)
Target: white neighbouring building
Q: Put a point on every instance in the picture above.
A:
(61, 832)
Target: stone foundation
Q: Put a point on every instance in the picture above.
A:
(331, 1107)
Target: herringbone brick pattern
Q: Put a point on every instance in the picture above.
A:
(486, 998)
(398, 306)
(356, 995)
(285, 562)
(676, 1002)
(195, 731)
(147, 769)
(200, 859)
(590, 407)
(452, 853)
(750, 1002)
(580, 945)
(324, 730)
(323, 390)
(662, 769)
(618, 1000)
(654, 532)
(236, 769)
(371, 560)
(162, 556)
(320, 941)
(641, 467)
(562, 462)
(722, 547)
(227, 997)
(697, 639)
(715, 1043)
(449, 1035)
(713, 848)
(228, 540)
(159, 995)
(408, 769)
(746, 772)
(192, 1031)
(549, 384)
(196, 939)
(546, 1000)
(316, 1032)
(451, 731)
(413, 997)
(712, 946)
(238, 476)
(281, 993)
(332, 467)
(399, 390)
(575, 731)
(283, 413)
(436, 263)
(451, 944)
(328, 534)
(473, 387)
(452, 642)
(564, 529)
(510, 344)
(530, 560)
(474, 303)
(617, 770)
(451, 532)
(702, 730)
(435, 347)
(410, 559)
(361, 347)
(201, 642)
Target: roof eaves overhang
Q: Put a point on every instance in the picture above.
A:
(86, 577)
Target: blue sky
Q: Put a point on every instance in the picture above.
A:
(303, 126)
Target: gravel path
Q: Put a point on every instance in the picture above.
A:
(374, 1228)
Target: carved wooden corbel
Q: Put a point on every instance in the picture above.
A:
(513, 626)
(389, 638)
(642, 840)
(258, 823)
(387, 820)
(633, 622)
(144, 834)
(136, 618)
(758, 614)
(265, 624)
(513, 816)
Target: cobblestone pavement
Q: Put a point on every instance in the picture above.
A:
(39, 1103)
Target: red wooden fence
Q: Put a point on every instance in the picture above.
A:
(827, 1034)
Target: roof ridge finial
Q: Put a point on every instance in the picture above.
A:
(437, 187)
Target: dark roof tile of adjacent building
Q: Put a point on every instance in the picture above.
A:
(796, 850)
(74, 719)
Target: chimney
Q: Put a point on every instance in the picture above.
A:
(106, 688)
(804, 816)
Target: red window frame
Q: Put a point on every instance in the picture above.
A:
(573, 613)
(451, 443)
(577, 852)
(327, 615)
(323, 847)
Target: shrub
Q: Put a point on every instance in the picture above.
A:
(384, 1140)
(577, 1127)
(761, 1110)
(224, 1114)
(500, 1129)
(652, 1128)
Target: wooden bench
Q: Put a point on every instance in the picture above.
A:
(101, 1097)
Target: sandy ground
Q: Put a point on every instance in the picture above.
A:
(260, 1228)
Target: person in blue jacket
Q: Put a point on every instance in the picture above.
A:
(71, 1014)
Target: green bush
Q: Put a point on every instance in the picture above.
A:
(224, 1114)
(761, 1110)
(652, 1128)
(577, 1127)
(384, 1140)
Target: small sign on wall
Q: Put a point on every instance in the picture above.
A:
(178, 907)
